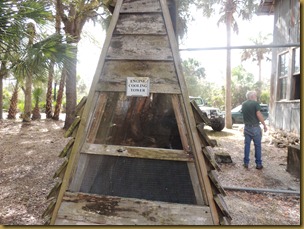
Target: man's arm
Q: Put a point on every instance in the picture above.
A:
(261, 119)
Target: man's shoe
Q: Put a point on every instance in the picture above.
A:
(245, 166)
(259, 167)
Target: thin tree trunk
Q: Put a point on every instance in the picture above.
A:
(71, 94)
(260, 70)
(1, 97)
(60, 94)
(28, 99)
(3, 74)
(36, 111)
(228, 118)
(48, 105)
(12, 112)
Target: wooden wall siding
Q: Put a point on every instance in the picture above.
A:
(162, 75)
(145, 6)
(139, 47)
(140, 24)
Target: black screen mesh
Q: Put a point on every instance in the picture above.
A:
(156, 180)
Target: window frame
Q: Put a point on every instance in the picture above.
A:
(282, 95)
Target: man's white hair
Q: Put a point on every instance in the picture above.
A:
(249, 94)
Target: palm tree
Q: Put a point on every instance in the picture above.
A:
(257, 54)
(13, 108)
(13, 18)
(229, 9)
(37, 96)
(74, 15)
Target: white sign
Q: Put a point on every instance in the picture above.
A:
(138, 86)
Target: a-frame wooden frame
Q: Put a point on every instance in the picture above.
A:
(140, 42)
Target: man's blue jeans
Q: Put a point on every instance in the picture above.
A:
(255, 134)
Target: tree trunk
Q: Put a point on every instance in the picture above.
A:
(36, 112)
(3, 75)
(1, 97)
(48, 105)
(28, 99)
(71, 94)
(228, 118)
(60, 94)
(260, 70)
(12, 112)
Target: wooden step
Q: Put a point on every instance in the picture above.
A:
(88, 209)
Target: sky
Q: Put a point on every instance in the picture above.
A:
(202, 33)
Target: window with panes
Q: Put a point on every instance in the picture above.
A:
(296, 77)
(283, 75)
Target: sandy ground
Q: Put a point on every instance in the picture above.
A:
(29, 158)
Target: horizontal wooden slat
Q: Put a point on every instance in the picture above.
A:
(140, 24)
(121, 87)
(159, 72)
(139, 47)
(84, 209)
(130, 6)
(138, 152)
(162, 75)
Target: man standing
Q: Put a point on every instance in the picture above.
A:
(252, 131)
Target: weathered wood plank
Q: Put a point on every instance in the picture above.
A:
(216, 183)
(96, 118)
(72, 128)
(121, 87)
(83, 209)
(204, 137)
(137, 152)
(131, 6)
(139, 47)
(67, 148)
(162, 75)
(199, 115)
(80, 106)
(159, 72)
(223, 206)
(140, 24)
(61, 170)
(55, 190)
(207, 152)
(195, 183)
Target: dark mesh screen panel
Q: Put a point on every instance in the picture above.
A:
(156, 180)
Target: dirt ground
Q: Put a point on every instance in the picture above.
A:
(29, 158)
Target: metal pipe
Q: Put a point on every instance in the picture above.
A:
(243, 47)
(262, 190)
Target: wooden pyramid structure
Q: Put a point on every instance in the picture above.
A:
(137, 155)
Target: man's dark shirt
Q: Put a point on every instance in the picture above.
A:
(249, 109)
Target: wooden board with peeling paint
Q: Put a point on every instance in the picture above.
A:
(131, 6)
(140, 24)
(139, 47)
(84, 209)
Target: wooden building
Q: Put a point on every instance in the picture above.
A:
(137, 154)
(285, 77)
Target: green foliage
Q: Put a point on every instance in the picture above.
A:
(193, 73)
(37, 94)
(21, 106)
(6, 99)
(242, 81)
(265, 97)
(214, 95)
